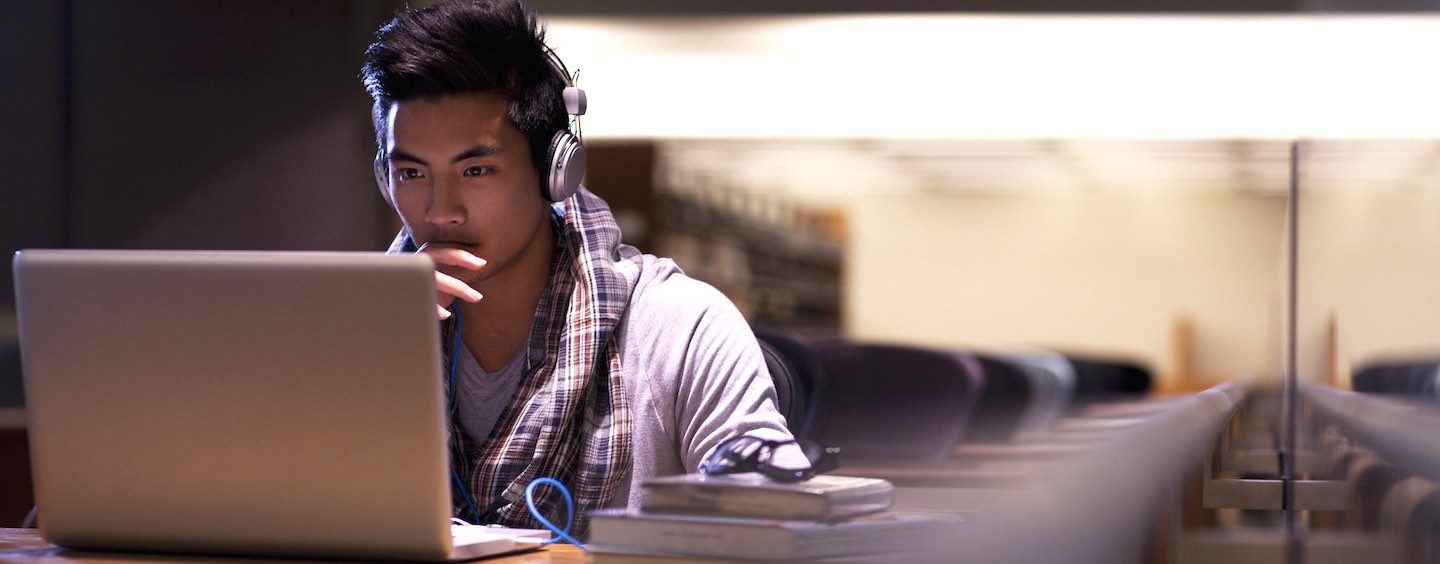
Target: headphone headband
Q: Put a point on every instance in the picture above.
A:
(574, 96)
(566, 156)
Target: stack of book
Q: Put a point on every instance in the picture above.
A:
(748, 516)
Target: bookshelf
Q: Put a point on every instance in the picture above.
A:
(780, 261)
(782, 264)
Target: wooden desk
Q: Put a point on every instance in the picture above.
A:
(24, 546)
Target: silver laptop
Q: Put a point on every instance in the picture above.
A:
(254, 403)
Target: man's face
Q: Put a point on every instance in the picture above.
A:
(461, 176)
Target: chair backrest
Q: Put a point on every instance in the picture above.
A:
(894, 402)
(1103, 379)
(1417, 378)
(798, 377)
(1003, 401)
(788, 400)
(1052, 381)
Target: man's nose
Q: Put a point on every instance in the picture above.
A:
(446, 205)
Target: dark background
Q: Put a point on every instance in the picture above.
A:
(178, 124)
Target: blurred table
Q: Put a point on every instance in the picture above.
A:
(24, 546)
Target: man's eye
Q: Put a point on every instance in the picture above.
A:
(405, 174)
(478, 170)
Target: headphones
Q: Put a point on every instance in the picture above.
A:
(566, 157)
(564, 162)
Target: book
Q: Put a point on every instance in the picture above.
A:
(613, 557)
(753, 495)
(662, 558)
(638, 532)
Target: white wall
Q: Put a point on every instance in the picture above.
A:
(1107, 272)
(1371, 260)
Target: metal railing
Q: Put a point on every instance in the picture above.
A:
(1099, 506)
(1407, 433)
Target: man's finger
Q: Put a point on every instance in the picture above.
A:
(453, 256)
(453, 288)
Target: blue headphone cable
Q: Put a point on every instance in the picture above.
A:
(560, 534)
(450, 408)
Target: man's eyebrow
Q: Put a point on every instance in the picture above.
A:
(478, 151)
(398, 155)
(473, 152)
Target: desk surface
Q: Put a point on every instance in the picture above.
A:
(25, 546)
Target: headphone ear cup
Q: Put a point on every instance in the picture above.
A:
(567, 166)
(382, 177)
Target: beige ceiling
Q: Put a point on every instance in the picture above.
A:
(811, 168)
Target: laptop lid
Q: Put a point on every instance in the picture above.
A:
(283, 403)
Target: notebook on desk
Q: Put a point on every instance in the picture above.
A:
(254, 403)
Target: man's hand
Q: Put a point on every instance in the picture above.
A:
(450, 288)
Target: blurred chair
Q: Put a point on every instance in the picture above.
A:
(1100, 379)
(893, 402)
(798, 377)
(1052, 385)
(1416, 378)
(1002, 403)
(789, 397)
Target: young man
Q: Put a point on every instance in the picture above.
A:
(569, 355)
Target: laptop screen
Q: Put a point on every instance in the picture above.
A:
(253, 402)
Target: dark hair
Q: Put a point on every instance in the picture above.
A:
(465, 46)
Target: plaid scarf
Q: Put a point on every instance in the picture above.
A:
(569, 420)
